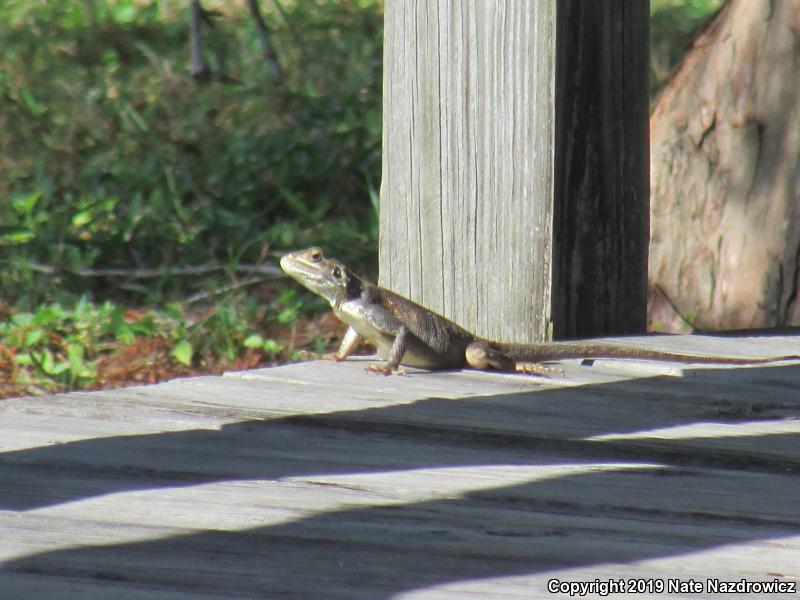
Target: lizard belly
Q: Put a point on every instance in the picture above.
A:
(424, 358)
(414, 355)
(352, 316)
(417, 353)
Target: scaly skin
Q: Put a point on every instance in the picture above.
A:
(410, 334)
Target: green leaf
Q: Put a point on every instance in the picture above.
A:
(75, 354)
(288, 315)
(182, 352)
(81, 218)
(124, 12)
(45, 360)
(49, 315)
(270, 346)
(32, 337)
(23, 359)
(22, 319)
(124, 333)
(15, 235)
(24, 203)
(145, 326)
(59, 368)
(33, 105)
(253, 341)
(174, 310)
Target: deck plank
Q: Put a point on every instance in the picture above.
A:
(318, 481)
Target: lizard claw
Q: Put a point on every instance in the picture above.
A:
(531, 368)
(384, 370)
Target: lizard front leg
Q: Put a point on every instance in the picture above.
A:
(346, 348)
(481, 355)
(392, 364)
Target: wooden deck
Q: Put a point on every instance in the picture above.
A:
(320, 481)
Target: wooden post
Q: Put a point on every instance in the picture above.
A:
(515, 167)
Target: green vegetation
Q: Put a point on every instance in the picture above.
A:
(54, 348)
(119, 170)
(126, 183)
(115, 157)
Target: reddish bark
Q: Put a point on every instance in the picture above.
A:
(725, 169)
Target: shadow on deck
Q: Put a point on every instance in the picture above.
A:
(613, 474)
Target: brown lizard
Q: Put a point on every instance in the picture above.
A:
(410, 334)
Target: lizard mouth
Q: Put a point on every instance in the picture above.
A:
(299, 270)
(309, 276)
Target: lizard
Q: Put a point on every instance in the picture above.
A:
(407, 333)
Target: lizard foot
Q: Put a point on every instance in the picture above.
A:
(530, 368)
(384, 370)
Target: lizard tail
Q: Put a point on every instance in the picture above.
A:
(561, 350)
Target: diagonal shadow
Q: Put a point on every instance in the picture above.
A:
(264, 452)
(268, 449)
(379, 551)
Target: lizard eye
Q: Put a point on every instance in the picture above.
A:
(315, 256)
(337, 272)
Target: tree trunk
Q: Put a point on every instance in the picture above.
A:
(725, 164)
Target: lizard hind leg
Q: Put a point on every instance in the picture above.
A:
(484, 356)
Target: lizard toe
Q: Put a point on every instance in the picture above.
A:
(530, 368)
(384, 370)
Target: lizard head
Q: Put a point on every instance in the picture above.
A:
(326, 277)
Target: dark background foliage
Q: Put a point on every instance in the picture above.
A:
(114, 156)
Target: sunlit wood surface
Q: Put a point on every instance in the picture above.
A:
(317, 480)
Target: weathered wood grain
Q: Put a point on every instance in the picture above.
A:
(468, 160)
(515, 171)
(601, 193)
(320, 481)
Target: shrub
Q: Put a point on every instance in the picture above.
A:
(115, 157)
